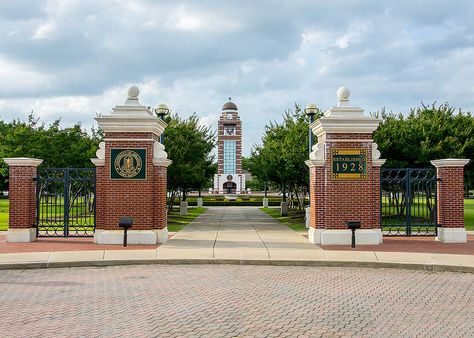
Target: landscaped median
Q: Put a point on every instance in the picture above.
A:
(177, 222)
(295, 219)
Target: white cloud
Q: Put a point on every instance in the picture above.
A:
(45, 31)
(193, 20)
(193, 55)
(16, 78)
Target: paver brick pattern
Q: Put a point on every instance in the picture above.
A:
(235, 301)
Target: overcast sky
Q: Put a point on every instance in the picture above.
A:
(71, 59)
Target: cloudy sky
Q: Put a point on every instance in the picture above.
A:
(71, 59)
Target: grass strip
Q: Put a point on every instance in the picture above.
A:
(177, 222)
(295, 219)
(469, 214)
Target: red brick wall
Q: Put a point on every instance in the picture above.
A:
(451, 197)
(144, 200)
(338, 201)
(22, 196)
(316, 195)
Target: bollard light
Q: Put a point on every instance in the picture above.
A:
(353, 225)
(125, 223)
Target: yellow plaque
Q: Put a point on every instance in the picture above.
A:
(349, 164)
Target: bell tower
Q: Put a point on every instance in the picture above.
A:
(229, 178)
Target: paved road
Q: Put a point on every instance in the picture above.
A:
(235, 301)
(238, 233)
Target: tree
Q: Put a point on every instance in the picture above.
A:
(427, 133)
(189, 146)
(281, 158)
(57, 147)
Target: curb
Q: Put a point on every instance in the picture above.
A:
(352, 264)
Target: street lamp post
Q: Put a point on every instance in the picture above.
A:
(311, 110)
(161, 111)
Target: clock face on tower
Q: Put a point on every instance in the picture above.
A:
(229, 129)
(229, 116)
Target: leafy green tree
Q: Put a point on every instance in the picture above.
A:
(427, 133)
(280, 160)
(189, 146)
(58, 147)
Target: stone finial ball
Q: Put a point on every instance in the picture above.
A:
(343, 93)
(133, 91)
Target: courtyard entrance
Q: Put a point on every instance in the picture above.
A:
(230, 187)
(408, 202)
(65, 202)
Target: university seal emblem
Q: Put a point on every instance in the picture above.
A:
(128, 164)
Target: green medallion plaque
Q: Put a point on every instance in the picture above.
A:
(349, 164)
(128, 164)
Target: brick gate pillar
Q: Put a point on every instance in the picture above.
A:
(131, 175)
(344, 176)
(450, 194)
(22, 199)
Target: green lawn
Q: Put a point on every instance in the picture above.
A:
(469, 214)
(295, 220)
(3, 214)
(177, 222)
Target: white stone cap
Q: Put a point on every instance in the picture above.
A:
(22, 161)
(344, 118)
(343, 108)
(450, 162)
(131, 117)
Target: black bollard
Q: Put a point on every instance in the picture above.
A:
(125, 223)
(353, 225)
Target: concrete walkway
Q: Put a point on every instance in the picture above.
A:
(238, 233)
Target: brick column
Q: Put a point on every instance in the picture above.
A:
(22, 197)
(131, 175)
(352, 192)
(450, 194)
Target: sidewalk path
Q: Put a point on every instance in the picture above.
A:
(238, 233)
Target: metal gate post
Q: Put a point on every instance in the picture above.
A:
(66, 202)
(408, 202)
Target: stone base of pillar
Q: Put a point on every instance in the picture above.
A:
(265, 202)
(284, 209)
(307, 216)
(21, 235)
(183, 209)
(199, 202)
(452, 235)
(344, 237)
(144, 237)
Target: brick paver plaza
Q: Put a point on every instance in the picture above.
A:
(235, 301)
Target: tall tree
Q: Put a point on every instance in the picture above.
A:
(189, 146)
(281, 157)
(427, 133)
(56, 146)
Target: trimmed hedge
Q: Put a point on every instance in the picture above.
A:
(234, 203)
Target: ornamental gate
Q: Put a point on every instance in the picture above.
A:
(408, 202)
(65, 204)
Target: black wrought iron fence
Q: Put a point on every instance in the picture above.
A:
(65, 202)
(408, 202)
